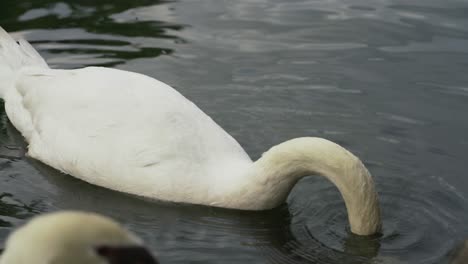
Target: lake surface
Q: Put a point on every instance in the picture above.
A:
(387, 79)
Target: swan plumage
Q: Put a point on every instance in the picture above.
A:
(132, 133)
(73, 237)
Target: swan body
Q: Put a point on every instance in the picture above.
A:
(72, 237)
(129, 132)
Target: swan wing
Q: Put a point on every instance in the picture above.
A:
(120, 130)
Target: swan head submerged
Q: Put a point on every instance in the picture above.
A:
(74, 238)
(278, 170)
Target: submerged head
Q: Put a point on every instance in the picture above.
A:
(74, 238)
(282, 166)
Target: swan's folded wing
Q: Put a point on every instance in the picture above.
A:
(96, 122)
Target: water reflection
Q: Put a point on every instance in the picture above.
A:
(78, 33)
(11, 208)
(96, 18)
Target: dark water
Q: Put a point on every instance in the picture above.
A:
(387, 79)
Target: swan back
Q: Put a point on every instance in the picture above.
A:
(122, 130)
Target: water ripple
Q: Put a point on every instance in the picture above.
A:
(418, 221)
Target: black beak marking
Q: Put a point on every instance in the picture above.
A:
(126, 255)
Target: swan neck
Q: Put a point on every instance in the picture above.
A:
(282, 166)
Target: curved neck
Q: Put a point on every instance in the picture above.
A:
(278, 170)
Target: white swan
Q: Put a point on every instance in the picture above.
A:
(132, 133)
(71, 237)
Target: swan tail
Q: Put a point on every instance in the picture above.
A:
(13, 57)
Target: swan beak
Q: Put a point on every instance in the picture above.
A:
(126, 254)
